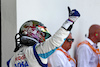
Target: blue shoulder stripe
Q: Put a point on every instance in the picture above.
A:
(38, 59)
(8, 62)
(46, 55)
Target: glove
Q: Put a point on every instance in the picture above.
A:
(73, 16)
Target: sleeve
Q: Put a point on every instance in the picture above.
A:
(45, 49)
(83, 56)
(58, 59)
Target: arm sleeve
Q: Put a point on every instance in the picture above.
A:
(45, 49)
(83, 56)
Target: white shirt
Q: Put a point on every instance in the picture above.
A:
(85, 55)
(58, 59)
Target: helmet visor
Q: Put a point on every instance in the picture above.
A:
(45, 31)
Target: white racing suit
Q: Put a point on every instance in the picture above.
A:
(25, 56)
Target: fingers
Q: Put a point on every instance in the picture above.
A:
(69, 10)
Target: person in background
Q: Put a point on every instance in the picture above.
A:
(88, 54)
(33, 46)
(61, 57)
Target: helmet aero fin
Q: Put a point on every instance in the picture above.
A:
(17, 42)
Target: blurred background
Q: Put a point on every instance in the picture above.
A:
(52, 13)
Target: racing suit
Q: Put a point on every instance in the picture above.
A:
(24, 57)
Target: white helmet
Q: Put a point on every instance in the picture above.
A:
(33, 29)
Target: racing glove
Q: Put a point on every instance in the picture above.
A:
(73, 16)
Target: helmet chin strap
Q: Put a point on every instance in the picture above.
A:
(28, 41)
(24, 40)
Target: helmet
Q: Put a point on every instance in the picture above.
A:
(30, 33)
(35, 29)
